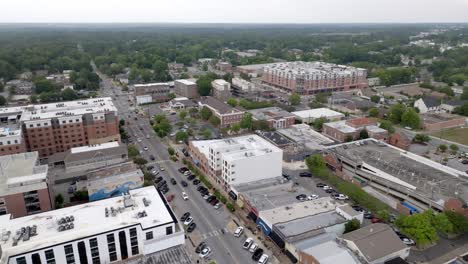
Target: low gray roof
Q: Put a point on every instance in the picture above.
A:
(220, 106)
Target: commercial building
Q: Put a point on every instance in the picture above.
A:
(253, 70)
(237, 160)
(349, 130)
(227, 114)
(276, 117)
(57, 127)
(23, 185)
(135, 225)
(314, 77)
(408, 182)
(439, 121)
(324, 249)
(151, 92)
(221, 89)
(241, 87)
(182, 103)
(376, 243)
(186, 88)
(309, 116)
(224, 66)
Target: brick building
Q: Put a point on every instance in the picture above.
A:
(350, 129)
(151, 92)
(439, 121)
(400, 140)
(276, 117)
(227, 114)
(314, 77)
(221, 89)
(57, 127)
(186, 88)
(23, 185)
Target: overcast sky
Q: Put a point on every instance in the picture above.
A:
(234, 11)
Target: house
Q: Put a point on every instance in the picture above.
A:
(376, 243)
(276, 117)
(449, 106)
(427, 104)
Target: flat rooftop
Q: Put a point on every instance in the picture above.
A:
(89, 219)
(326, 250)
(94, 147)
(341, 126)
(316, 67)
(407, 170)
(317, 113)
(275, 137)
(304, 134)
(270, 193)
(243, 146)
(270, 113)
(437, 118)
(21, 173)
(186, 82)
(150, 84)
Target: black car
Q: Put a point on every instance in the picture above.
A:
(305, 174)
(173, 181)
(158, 179)
(150, 167)
(286, 176)
(368, 215)
(200, 247)
(196, 182)
(200, 187)
(214, 201)
(185, 216)
(191, 177)
(257, 254)
(358, 208)
(162, 183)
(330, 191)
(301, 197)
(183, 169)
(191, 227)
(164, 191)
(204, 191)
(152, 157)
(184, 183)
(211, 198)
(320, 185)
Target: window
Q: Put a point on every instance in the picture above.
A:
(36, 259)
(111, 247)
(168, 230)
(134, 241)
(50, 257)
(93, 245)
(69, 256)
(149, 235)
(82, 252)
(21, 260)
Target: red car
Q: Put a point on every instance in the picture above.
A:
(170, 197)
(376, 220)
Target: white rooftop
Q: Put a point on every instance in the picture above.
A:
(341, 126)
(318, 112)
(185, 81)
(89, 219)
(21, 173)
(151, 84)
(107, 145)
(316, 67)
(220, 82)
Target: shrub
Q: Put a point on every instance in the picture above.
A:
(230, 207)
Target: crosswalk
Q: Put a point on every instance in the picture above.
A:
(214, 233)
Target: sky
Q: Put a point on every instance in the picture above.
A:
(233, 11)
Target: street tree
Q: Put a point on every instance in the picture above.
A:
(421, 138)
(442, 147)
(453, 148)
(373, 112)
(410, 118)
(246, 122)
(183, 114)
(396, 113)
(214, 120)
(294, 99)
(352, 225)
(232, 102)
(181, 136)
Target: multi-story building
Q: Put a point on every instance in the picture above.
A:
(348, 130)
(11, 135)
(186, 88)
(23, 185)
(237, 160)
(57, 127)
(221, 89)
(276, 117)
(314, 77)
(224, 66)
(135, 225)
(240, 86)
(151, 92)
(310, 115)
(227, 114)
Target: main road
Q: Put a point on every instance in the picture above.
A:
(213, 226)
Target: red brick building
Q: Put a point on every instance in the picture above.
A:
(400, 141)
(276, 117)
(227, 114)
(350, 129)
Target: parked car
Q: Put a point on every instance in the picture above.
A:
(263, 259)
(187, 172)
(358, 208)
(191, 177)
(200, 246)
(247, 243)
(161, 183)
(196, 182)
(368, 215)
(217, 206)
(208, 195)
(150, 167)
(170, 198)
(188, 221)
(286, 176)
(158, 179)
(200, 188)
(305, 174)
(173, 181)
(253, 247)
(183, 169)
(214, 201)
(407, 241)
(340, 196)
(205, 252)
(239, 231)
(184, 196)
(191, 227)
(161, 168)
(330, 191)
(257, 254)
(211, 198)
(152, 157)
(301, 197)
(326, 187)
(376, 220)
(145, 148)
(185, 216)
(320, 185)
(184, 183)
(312, 197)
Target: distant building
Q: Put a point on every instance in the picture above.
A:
(227, 114)
(351, 129)
(173, 66)
(21, 86)
(373, 81)
(400, 140)
(368, 242)
(450, 105)
(309, 116)
(221, 89)
(122, 78)
(314, 77)
(241, 87)
(253, 70)
(276, 117)
(133, 226)
(439, 121)
(186, 88)
(427, 104)
(23, 185)
(182, 103)
(151, 92)
(224, 66)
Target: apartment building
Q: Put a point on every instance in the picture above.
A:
(241, 87)
(237, 160)
(57, 127)
(186, 88)
(151, 92)
(23, 185)
(221, 89)
(226, 113)
(132, 226)
(314, 77)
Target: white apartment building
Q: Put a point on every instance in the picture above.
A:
(242, 159)
(107, 231)
(221, 89)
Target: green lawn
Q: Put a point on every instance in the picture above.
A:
(459, 135)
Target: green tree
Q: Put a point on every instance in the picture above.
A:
(214, 120)
(34, 99)
(459, 222)
(122, 122)
(205, 113)
(421, 138)
(315, 162)
(246, 121)
(181, 136)
(318, 123)
(375, 98)
(442, 147)
(236, 127)
(139, 161)
(183, 114)
(206, 133)
(132, 151)
(453, 148)
(3, 100)
(42, 85)
(373, 112)
(69, 95)
(59, 201)
(418, 227)
(352, 225)
(162, 127)
(411, 119)
(172, 95)
(396, 112)
(363, 134)
(232, 102)
(442, 223)
(464, 95)
(294, 99)
(260, 125)
(204, 84)
(348, 138)
(171, 151)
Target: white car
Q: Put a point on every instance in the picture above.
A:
(162, 168)
(408, 241)
(217, 206)
(145, 148)
(147, 136)
(188, 221)
(312, 197)
(239, 231)
(253, 248)
(205, 252)
(187, 173)
(139, 140)
(263, 259)
(248, 243)
(185, 196)
(155, 172)
(326, 187)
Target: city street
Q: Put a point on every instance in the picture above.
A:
(214, 227)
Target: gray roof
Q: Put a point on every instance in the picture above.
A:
(431, 101)
(173, 255)
(68, 156)
(269, 113)
(220, 106)
(455, 102)
(375, 241)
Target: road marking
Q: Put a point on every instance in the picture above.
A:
(214, 233)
